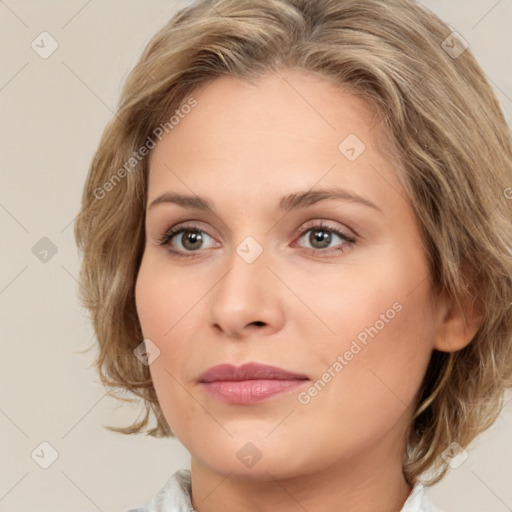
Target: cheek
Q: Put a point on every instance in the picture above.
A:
(383, 338)
(163, 300)
(371, 390)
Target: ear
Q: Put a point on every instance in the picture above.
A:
(457, 324)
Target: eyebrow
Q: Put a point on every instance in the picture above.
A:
(290, 202)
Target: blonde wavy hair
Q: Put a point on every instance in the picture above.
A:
(455, 155)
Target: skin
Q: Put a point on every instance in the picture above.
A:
(244, 146)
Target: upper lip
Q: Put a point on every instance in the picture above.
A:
(249, 371)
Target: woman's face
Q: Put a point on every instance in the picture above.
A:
(267, 279)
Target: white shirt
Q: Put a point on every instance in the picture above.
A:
(175, 496)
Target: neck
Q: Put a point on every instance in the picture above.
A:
(366, 482)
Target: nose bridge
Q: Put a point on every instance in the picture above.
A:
(248, 268)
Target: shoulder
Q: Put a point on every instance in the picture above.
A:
(174, 496)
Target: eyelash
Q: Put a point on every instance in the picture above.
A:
(176, 230)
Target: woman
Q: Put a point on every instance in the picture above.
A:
(296, 236)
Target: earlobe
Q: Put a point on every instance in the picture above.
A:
(457, 324)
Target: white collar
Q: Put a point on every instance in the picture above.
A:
(175, 496)
(418, 501)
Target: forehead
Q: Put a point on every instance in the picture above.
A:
(291, 129)
(296, 104)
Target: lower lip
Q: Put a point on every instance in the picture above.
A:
(246, 392)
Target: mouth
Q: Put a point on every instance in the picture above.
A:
(250, 383)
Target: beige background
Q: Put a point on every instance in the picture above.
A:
(53, 113)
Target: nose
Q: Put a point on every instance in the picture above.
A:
(248, 298)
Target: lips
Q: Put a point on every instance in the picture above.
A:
(249, 371)
(250, 383)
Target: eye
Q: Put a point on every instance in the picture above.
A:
(191, 240)
(321, 236)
